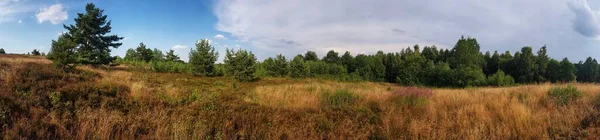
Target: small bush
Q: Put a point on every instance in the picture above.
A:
(411, 97)
(339, 99)
(500, 79)
(564, 95)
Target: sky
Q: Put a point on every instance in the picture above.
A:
(569, 28)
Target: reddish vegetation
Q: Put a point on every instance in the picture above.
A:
(40, 102)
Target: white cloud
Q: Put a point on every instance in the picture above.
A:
(220, 36)
(294, 26)
(53, 14)
(20, 21)
(177, 47)
(8, 9)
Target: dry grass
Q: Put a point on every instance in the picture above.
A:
(163, 106)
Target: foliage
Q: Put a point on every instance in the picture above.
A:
(466, 54)
(62, 52)
(89, 33)
(172, 57)
(564, 95)
(170, 66)
(141, 53)
(500, 79)
(298, 68)
(276, 67)
(2, 51)
(332, 57)
(202, 59)
(36, 52)
(311, 56)
(241, 64)
(587, 71)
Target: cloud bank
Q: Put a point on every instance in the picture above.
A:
(294, 26)
(586, 22)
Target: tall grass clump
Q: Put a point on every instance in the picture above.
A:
(339, 99)
(596, 102)
(411, 97)
(564, 95)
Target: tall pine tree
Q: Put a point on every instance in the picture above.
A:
(89, 33)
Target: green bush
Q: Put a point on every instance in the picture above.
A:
(564, 95)
(339, 99)
(500, 79)
(172, 67)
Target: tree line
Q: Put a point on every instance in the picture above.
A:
(464, 65)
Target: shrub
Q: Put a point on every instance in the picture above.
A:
(500, 79)
(170, 66)
(564, 95)
(411, 97)
(339, 99)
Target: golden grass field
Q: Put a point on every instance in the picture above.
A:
(180, 106)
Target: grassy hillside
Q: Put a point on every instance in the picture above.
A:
(38, 101)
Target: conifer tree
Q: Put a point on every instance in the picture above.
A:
(89, 33)
(202, 58)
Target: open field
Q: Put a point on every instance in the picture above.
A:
(38, 101)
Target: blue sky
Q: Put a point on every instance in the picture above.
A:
(570, 28)
(157, 23)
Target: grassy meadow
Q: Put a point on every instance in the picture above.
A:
(40, 102)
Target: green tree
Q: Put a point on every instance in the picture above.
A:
(332, 57)
(348, 62)
(493, 64)
(89, 33)
(171, 57)
(431, 53)
(157, 55)
(588, 71)
(311, 56)
(297, 67)
(2, 51)
(553, 71)
(131, 55)
(525, 64)
(35, 52)
(276, 67)
(468, 77)
(466, 54)
(542, 60)
(62, 52)
(242, 64)
(143, 53)
(566, 71)
(202, 59)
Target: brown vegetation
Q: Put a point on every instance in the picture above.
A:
(38, 101)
